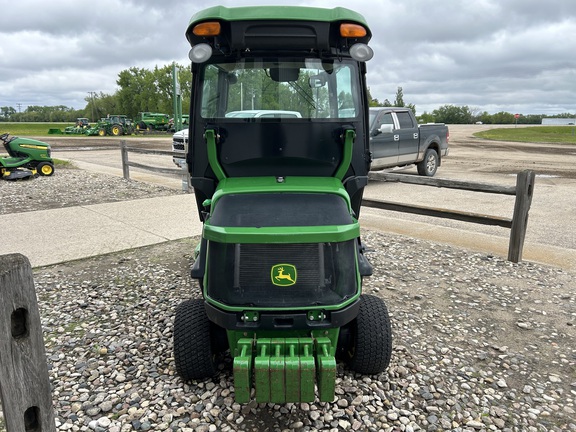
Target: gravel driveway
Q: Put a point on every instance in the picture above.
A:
(479, 343)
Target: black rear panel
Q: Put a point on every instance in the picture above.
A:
(279, 34)
(270, 147)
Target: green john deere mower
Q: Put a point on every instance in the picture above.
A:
(26, 158)
(279, 190)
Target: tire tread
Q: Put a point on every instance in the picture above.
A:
(373, 337)
(193, 353)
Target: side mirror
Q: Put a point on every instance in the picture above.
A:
(317, 81)
(385, 128)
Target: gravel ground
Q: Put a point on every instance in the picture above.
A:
(72, 187)
(479, 343)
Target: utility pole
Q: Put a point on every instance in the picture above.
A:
(92, 94)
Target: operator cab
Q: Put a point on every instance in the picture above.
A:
(279, 97)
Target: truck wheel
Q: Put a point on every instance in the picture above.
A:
(45, 169)
(369, 346)
(429, 165)
(193, 349)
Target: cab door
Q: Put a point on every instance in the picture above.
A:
(409, 137)
(384, 141)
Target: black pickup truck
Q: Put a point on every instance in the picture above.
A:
(396, 139)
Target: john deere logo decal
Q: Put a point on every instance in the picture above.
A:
(283, 274)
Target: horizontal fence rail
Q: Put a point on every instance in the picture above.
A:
(126, 164)
(523, 191)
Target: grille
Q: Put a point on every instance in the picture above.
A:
(257, 260)
(243, 274)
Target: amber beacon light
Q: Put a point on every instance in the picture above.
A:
(209, 28)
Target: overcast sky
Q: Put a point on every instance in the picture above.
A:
(517, 56)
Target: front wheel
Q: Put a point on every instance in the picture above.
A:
(429, 165)
(194, 353)
(45, 169)
(368, 348)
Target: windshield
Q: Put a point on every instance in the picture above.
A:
(280, 88)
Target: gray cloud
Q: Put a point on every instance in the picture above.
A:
(493, 55)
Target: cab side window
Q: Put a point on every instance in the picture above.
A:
(405, 120)
(385, 118)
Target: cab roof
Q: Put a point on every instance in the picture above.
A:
(255, 14)
(277, 13)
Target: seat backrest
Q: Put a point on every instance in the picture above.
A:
(8, 148)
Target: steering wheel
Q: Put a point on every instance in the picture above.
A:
(4, 136)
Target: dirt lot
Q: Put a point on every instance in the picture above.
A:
(507, 157)
(550, 236)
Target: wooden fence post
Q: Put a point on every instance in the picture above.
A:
(24, 383)
(125, 167)
(524, 192)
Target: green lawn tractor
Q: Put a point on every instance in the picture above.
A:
(26, 158)
(280, 263)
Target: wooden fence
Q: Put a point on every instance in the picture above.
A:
(523, 191)
(126, 164)
(24, 384)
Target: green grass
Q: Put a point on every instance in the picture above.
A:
(31, 129)
(59, 163)
(40, 129)
(534, 134)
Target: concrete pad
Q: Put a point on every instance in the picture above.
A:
(171, 218)
(48, 237)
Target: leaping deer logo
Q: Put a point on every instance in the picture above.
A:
(280, 278)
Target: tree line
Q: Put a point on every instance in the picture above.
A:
(453, 114)
(141, 90)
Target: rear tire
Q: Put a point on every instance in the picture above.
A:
(116, 130)
(194, 353)
(429, 165)
(369, 347)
